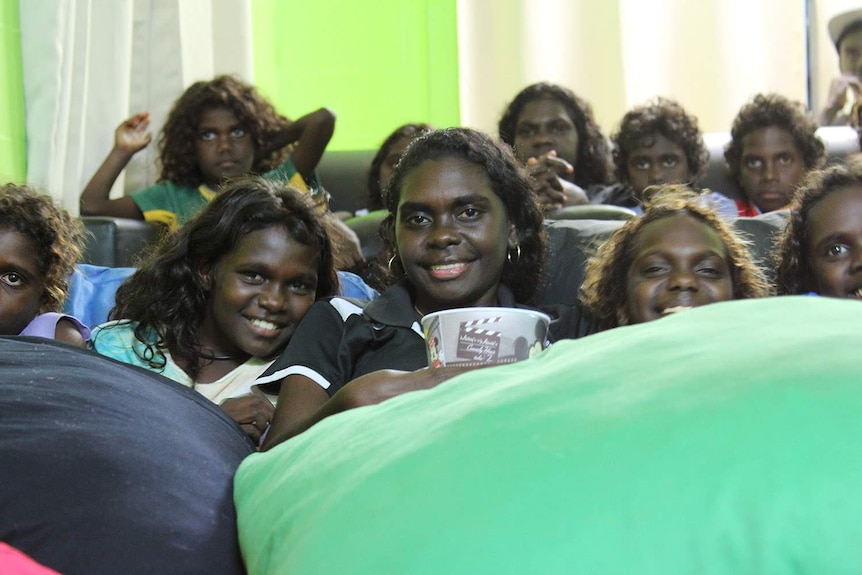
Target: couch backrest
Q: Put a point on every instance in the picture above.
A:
(344, 174)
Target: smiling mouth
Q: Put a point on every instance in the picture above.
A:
(675, 309)
(267, 327)
(447, 271)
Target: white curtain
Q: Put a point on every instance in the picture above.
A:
(89, 64)
(710, 55)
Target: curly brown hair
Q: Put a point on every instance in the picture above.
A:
(766, 110)
(57, 237)
(793, 274)
(177, 153)
(662, 116)
(593, 157)
(523, 273)
(604, 287)
(166, 296)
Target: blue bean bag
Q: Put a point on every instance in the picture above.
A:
(108, 469)
(721, 440)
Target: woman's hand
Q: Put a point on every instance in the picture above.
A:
(252, 412)
(551, 186)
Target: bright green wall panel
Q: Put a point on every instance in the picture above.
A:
(377, 64)
(13, 147)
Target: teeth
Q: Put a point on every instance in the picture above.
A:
(446, 267)
(675, 309)
(267, 325)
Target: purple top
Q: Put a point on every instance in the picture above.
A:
(45, 325)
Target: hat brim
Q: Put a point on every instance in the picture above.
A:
(841, 22)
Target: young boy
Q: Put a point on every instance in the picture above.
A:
(657, 143)
(773, 146)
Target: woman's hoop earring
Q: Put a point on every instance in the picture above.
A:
(517, 257)
(389, 265)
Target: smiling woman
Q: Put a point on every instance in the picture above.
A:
(220, 298)
(463, 231)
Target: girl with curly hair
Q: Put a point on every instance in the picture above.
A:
(773, 145)
(216, 130)
(820, 250)
(40, 243)
(678, 255)
(554, 134)
(657, 143)
(464, 231)
(219, 299)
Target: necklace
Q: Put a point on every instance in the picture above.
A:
(416, 309)
(222, 357)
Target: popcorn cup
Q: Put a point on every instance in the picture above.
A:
(484, 335)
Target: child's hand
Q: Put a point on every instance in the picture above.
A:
(132, 136)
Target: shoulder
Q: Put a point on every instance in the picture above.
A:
(58, 326)
(116, 339)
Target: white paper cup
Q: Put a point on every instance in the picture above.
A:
(483, 335)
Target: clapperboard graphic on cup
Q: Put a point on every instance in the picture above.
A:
(478, 341)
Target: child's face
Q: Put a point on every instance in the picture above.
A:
(835, 243)
(772, 167)
(656, 161)
(224, 147)
(850, 53)
(396, 150)
(679, 263)
(258, 293)
(544, 125)
(21, 282)
(451, 232)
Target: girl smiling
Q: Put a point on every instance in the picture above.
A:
(221, 297)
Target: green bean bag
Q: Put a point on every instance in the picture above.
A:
(722, 440)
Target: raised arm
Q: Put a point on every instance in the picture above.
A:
(309, 135)
(129, 138)
(837, 97)
(302, 403)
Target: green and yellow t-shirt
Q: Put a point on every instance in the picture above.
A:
(172, 205)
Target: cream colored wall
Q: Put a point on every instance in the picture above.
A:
(710, 55)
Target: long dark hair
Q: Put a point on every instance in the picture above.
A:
(166, 296)
(594, 156)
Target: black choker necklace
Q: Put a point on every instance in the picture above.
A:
(222, 357)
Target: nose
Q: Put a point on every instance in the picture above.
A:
(444, 233)
(224, 142)
(542, 136)
(656, 174)
(272, 299)
(769, 171)
(683, 280)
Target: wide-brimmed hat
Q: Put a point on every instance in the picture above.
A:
(839, 24)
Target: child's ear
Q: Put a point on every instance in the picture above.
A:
(205, 277)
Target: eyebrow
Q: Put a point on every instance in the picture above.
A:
(457, 202)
